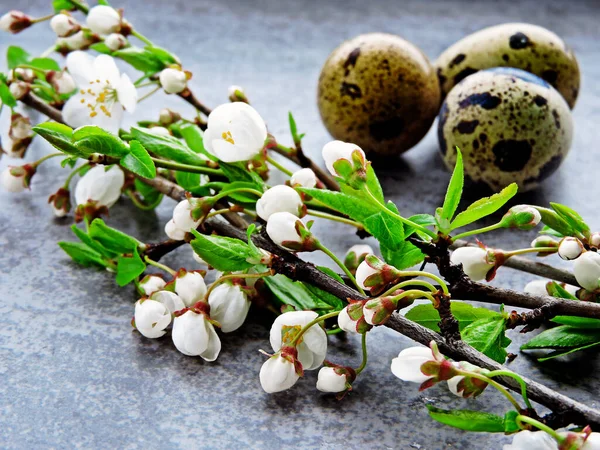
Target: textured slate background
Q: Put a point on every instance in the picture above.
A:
(73, 374)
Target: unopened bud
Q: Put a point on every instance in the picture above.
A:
(356, 255)
(19, 89)
(595, 240)
(523, 217)
(15, 21)
(17, 178)
(174, 80)
(374, 275)
(115, 41)
(352, 320)
(570, 248)
(21, 74)
(168, 116)
(64, 25)
(237, 94)
(62, 81)
(60, 202)
(378, 310)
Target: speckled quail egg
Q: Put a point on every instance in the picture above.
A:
(520, 45)
(380, 92)
(510, 125)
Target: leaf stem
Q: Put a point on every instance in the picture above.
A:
(493, 227)
(341, 266)
(160, 266)
(80, 6)
(508, 373)
(325, 215)
(47, 157)
(73, 173)
(417, 293)
(230, 276)
(142, 38)
(148, 94)
(186, 167)
(42, 19)
(224, 193)
(426, 284)
(520, 419)
(310, 324)
(282, 168)
(363, 342)
(523, 251)
(497, 385)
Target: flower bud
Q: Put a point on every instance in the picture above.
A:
(62, 82)
(313, 345)
(465, 386)
(235, 132)
(169, 299)
(173, 81)
(278, 373)
(352, 320)
(151, 318)
(194, 335)
(337, 151)
(229, 305)
(64, 25)
(17, 178)
(289, 232)
(373, 274)
(523, 217)
(544, 241)
(19, 89)
(151, 284)
(237, 94)
(570, 248)
(21, 74)
(168, 117)
(115, 41)
(304, 178)
(477, 263)
(159, 131)
(423, 365)
(377, 311)
(540, 287)
(60, 202)
(173, 232)
(594, 240)
(14, 22)
(587, 270)
(98, 190)
(335, 379)
(279, 198)
(356, 255)
(20, 135)
(103, 20)
(182, 216)
(189, 286)
(79, 41)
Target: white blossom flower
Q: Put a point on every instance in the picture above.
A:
(281, 228)
(229, 305)
(79, 41)
(62, 82)
(279, 198)
(173, 232)
(474, 260)
(182, 216)
(64, 25)
(595, 239)
(14, 21)
(151, 318)
(115, 41)
(277, 374)
(173, 80)
(345, 322)
(100, 185)
(313, 345)
(190, 287)
(532, 440)
(194, 335)
(570, 248)
(60, 202)
(103, 20)
(407, 365)
(169, 299)
(304, 177)
(13, 180)
(151, 284)
(19, 89)
(363, 272)
(330, 381)
(235, 132)
(592, 442)
(103, 92)
(336, 150)
(587, 270)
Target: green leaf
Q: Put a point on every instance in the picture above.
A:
(83, 254)
(325, 296)
(194, 138)
(484, 207)
(578, 322)
(129, 268)
(425, 220)
(387, 229)
(150, 195)
(5, 95)
(60, 5)
(87, 240)
(141, 59)
(455, 188)
(468, 420)
(242, 197)
(163, 55)
(111, 238)
(92, 139)
(222, 253)
(101, 47)
(343, 203)
(239, 172)
(487, 336)
(45, 64)
(15, 56)
(510, 422)
(556, 290)
(563, 336)
(568, 351)
(294, 293)
(555, 222)
(406, 255)
(293, 127)
(138, 161)
(167, 147)
(373, 184)
(571, 216)
(192, 182)
(60, 136)
(427, 316)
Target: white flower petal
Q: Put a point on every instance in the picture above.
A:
(81, 67)
(127, 93)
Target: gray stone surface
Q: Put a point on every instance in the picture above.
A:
(73, 374)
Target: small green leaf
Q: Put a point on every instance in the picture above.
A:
(406, 255)
(563, 337)
(294, 293)
(425, 220)
(487, 336)
(222, 253)
(556, 290)
(555, 222)
(5, 95)
(578, 322)
(45, 64)
(239, 172)
(465, 313)
(167, 147)
(468, 420)
(571, 216)
(163, 55)
(87, 240)
(373, 184)
(484, 207)
(387, 229)
(293, 127)
(92, 139)
(129, 268)
(101, 47)
(15, 56)
(83, 254)
(510, 422)
(455, 188)
(150, 195)
(111, 238)
(141, 59)
(194, 138)
(192, 182)
(59, 136)
(568, 351)
(138, 161)
(354, 208)
(60, 5)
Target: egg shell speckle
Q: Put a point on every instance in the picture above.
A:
(519, 45)
(510, 125)
(378, 91)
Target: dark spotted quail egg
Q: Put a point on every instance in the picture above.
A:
(379, 92)
(520, 45)
(510, 125)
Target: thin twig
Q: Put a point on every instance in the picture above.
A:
(38, 104)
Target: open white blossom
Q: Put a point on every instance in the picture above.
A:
(151, 318)
(169, 299)
(279, 198)
(235, 132)
(100, 185)
(407, 365)
(330, 381)
(103, 19)
(194, 335)
(229, 305)
(103, 92)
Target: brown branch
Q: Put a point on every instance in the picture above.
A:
(38, 104)
(156, 251)
(533, 267)
(189, 97)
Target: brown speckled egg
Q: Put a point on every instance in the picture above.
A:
(510, 125)
(380, 92)
(520, 45)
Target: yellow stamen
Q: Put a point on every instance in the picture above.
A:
(93, 114)
(82, 100)
(227, 137)
(82, 91)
